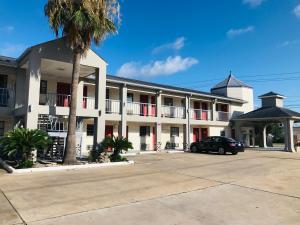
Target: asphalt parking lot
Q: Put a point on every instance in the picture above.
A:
(161, 189)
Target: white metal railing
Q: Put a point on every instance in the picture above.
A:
(54, 99)
(222, 116)
(173, 112)
(142, 109)
(88, 103)
(112, 106)
(200, 114)
(6, 97)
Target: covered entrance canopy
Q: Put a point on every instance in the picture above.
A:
(272, 111)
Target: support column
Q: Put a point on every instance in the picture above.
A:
(100, 91)
(289, 136)
(214, 110)
(123, 97)
(80, 96)
(187, 123)
(158, 125)
(33, 78)
(264, 135)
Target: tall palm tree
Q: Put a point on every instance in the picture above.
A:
(80, 22)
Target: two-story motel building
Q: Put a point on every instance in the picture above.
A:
(35, 93)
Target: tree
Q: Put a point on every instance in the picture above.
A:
(19, 143)
(80, 22)
(118, 144)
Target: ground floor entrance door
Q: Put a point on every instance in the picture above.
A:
(204, 133)
(109, 132)
(196, 134)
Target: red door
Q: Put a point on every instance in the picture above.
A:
(85, 91)
(204, 115)
(197, 115)
(109, 132)
(204, 133)
(153, 106)
(63, 94)
(196, 134)
(154, 138)
(144, 105)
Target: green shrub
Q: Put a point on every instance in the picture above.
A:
(19, 143)
(118, 144)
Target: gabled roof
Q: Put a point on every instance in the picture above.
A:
(230, 81)
(271, 94)
(265, 113)
(8, 61)
(171, 88)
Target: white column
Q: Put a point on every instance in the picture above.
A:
(264, 136)
(100, 90)
(158, 125)
(187, 123)
(214, 110)
(123, 98)
(289, 136)
(33, 77)
(80, 96)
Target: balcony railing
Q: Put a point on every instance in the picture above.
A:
(88, 103)
(6, 97)
(141, 109)
(222, 116)
(173, 112)
(53, 99)
(200, 114)
(112, 106)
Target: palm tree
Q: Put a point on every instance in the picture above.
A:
(80, 22)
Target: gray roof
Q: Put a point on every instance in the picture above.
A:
(230, 81)
(155, 85)
(8, 61)
(269, 113)
(271, 94)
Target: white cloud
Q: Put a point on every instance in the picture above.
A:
(236, 32)
(176, 45)
(7, 29)
(289, 43)
(296, 11)
(170, 65)
(253, 3)
(12, 50)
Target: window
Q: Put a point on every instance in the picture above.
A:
(1, 128)
(43, 87)
(129, 97)
(107, 94)
(3, 81)
(168, 101)
(90, 129)
(144, 131)
(174, 131)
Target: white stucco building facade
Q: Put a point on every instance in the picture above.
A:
(35, 92)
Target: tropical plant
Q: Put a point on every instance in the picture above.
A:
(80, 22)
(19, 143)
(118, 144)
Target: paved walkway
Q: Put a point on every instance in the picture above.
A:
(161, 189)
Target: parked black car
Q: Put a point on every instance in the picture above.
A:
(222, 145)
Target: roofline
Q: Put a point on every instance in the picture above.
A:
(267, 118)
(231, 87)
(172, 89)
(271, 96)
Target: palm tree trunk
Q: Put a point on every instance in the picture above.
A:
(70, 151)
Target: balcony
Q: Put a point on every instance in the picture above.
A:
(141, 109)
(173, 112)
(4, 97)
(200, 114)
(54, 99)
(88, 102)
(112, 106)
(222, 116)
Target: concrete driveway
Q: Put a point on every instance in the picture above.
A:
(161, 189)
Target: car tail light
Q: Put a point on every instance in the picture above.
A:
(232, 144)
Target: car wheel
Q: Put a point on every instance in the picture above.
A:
(221, 151)
(234, 152)
(194, 149)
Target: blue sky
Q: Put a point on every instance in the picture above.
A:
(192, 43)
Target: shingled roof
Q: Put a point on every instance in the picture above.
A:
(271, 94)
(230, 81)
(265, 113)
